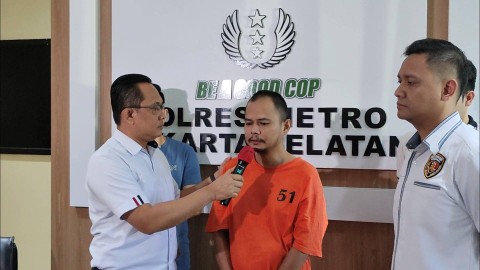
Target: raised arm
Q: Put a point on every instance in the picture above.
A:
(149, 218)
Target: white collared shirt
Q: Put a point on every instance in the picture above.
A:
(121, 176)
(436, 206)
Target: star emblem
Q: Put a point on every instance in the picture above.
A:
(257, 19)
(257, 38)
(257, 53)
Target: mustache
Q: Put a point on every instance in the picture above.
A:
(255, 139)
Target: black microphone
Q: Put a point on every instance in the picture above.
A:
(244, 158)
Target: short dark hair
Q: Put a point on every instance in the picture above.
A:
(471, 72)
(442, 56)
(277, 99)
(159, 89)
(125, 93)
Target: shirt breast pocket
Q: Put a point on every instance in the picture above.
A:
(426, 185)
(422, 194)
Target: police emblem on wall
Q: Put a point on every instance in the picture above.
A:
(434, 165)
(260, 47)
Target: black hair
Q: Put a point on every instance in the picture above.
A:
(277, 99)
(159, 89)
(471, 72)
(442, 56)
(125, 93)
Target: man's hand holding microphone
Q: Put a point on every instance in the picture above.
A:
(226, 186)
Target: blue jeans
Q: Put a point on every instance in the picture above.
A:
(183, 258)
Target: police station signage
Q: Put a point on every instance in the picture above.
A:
(338, 89)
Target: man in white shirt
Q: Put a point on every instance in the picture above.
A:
(131, 191)
(436, 205)
(462, 107)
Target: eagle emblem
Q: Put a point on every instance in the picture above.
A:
(256, 52)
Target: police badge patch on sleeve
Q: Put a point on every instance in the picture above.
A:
(434, 165)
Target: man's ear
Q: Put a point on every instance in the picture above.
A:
(287, 124)
(128, 115)
(469, 98)
(449, 89)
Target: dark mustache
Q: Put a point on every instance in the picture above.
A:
(256, 139)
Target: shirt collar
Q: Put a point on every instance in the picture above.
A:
(414, 141)
(132, 146)
(435, 140)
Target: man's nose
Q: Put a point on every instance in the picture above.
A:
(255, 129)
(397, 92)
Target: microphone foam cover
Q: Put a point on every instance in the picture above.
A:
(246, 154)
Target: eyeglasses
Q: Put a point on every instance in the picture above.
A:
(155, 108)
